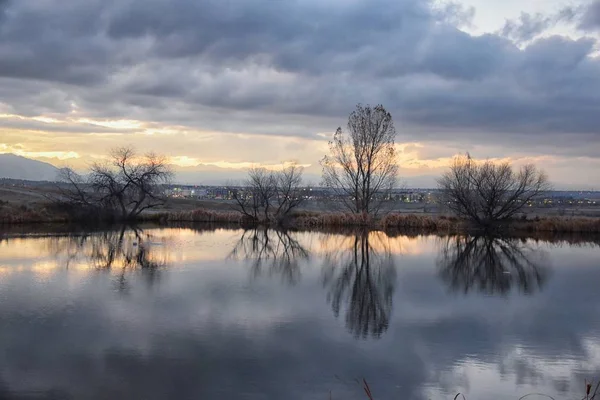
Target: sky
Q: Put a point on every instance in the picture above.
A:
(221, 85)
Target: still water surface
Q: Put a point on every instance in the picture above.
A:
(233, 314)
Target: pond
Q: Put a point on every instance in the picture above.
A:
(192, 313)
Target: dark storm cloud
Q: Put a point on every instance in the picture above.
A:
(590, 19)
(55, 41)
(367, 39)
(190, 62)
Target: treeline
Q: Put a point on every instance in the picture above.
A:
(360, 169)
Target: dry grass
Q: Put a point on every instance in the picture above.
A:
(558, 225)
(427, 223)
(389, 222)
(25, 214)
(199, 215)
(10, 214)
(309, 219)
(442, 224)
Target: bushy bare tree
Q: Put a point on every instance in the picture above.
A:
(288, 190)
(122, 188)
(268, 195)
(73, 189)
(488, 193)
(255, 197)
(361, 166)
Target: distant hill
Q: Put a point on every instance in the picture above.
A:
(17, 167)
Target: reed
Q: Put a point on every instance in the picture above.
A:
(557, 225)
(427, 223)
(199, 215)
(320, 220)
(317, 220)
(25, 215)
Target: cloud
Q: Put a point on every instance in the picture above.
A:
(297, 68)
(289, 57)
(526, 27)
(529, 26)
(590, 19)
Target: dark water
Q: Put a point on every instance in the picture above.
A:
(228, 314)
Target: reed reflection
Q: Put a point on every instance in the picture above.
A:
(491, 264)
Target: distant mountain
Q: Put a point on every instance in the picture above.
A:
(17, 167)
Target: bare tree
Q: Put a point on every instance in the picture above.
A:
(262, 183)
(288, 190)
(488, 193)
(268, 195)
(246, 201)
(73, 189)
(123, 188)
(255, 197)
(361, 168)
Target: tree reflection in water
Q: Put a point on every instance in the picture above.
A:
(491, 264)
(360, 274)
(126, 249)
(275, 251)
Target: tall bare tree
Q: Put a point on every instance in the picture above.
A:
(488, 193)
(123, 188)
(361, 168)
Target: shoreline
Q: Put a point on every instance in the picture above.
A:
(392, 221)
(308, 220)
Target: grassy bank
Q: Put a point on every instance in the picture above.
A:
(557, 224)
(323, 220)
(389, 222)
(26, 214)
(317, 220)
